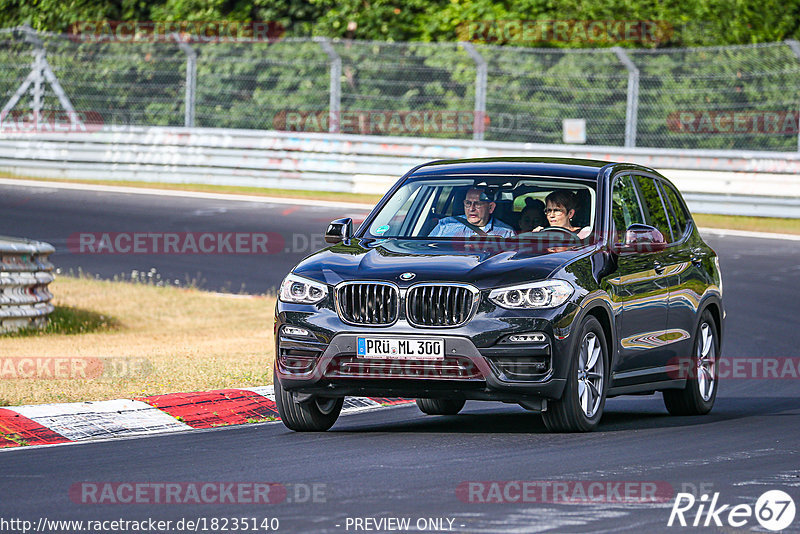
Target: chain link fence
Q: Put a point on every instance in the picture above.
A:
(737, 97)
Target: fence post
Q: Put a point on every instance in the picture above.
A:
(795, 46)
(632, 107)
(335, 103)
(191, 80)
(41, 70)
(38, 63)
(479, 121)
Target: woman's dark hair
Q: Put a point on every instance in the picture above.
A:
(537, 207)
(562, 197)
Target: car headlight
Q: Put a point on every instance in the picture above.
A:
(545, 294)
(299, 290)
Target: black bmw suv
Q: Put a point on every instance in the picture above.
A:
(550, 283)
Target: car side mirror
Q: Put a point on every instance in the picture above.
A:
(339, 230)
(641, 238)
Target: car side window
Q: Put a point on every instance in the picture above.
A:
(444, 199)
(655, 211)
(677, 211)
(625, 209)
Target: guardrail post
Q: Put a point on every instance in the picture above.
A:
(632, 107)
(479, 121)
(191, 80)
(795, 46)
(335, 103)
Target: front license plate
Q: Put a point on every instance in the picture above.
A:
(400, 349)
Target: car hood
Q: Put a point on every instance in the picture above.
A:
(387, 259)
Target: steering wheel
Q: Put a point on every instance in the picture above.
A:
(561, 229)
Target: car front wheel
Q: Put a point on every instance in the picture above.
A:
(313, 414)
(581, 406)
(701, 383)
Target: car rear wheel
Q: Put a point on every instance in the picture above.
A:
(311, 414)
(581, 406)
(440, 406)
(701, 383)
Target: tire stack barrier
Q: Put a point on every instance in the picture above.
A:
(25, 273)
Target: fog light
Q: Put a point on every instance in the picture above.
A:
(535, 337)
(295, 331)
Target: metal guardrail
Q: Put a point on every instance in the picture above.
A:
(25, 273)
(370, 164)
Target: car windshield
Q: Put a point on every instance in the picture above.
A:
(465, 207)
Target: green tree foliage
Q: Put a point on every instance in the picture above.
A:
(692, 22)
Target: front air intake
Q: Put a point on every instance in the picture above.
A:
(440, 304)
(367, 303)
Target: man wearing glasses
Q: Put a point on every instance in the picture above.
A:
(477, 219)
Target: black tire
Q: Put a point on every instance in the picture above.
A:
(316, 414)
(440, 406)
(695, 398)
(567, 414)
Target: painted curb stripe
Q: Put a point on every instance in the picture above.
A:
(47, 424)
(27, 429)
(104, 419)
(222, 407)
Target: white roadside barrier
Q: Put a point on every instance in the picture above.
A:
(733, 182)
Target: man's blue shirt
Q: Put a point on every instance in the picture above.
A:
(452, 227)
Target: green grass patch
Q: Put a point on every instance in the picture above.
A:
(68, 320)
(16, 439)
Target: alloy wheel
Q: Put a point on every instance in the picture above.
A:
(590, 375)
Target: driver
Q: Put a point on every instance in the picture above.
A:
(478, 219)
(560, 210)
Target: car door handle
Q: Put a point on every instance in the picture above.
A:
(658, 267)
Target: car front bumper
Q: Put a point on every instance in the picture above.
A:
(479, 364)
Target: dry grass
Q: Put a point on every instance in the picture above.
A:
(189, 340)
(752, 224)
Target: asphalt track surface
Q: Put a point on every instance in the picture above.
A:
(396, 462)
